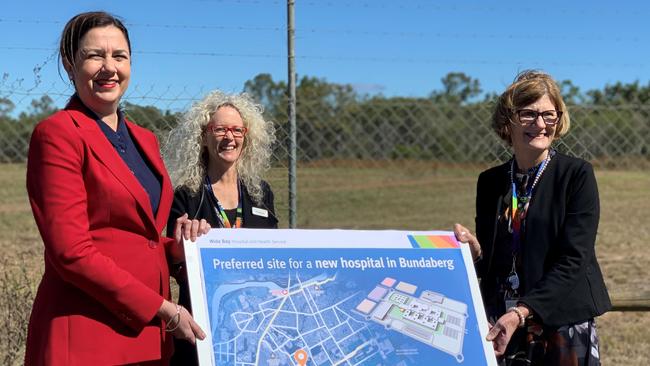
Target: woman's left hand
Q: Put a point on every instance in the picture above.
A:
(180, 322)
(187, 229)
(501, 332)
(463, 235)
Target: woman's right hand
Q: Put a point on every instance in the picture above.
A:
(186, 228)
(184, 327)
(463, 235)
(501, 332)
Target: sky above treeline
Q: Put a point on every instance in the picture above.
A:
(182, 49)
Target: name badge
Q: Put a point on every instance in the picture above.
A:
(260, 212)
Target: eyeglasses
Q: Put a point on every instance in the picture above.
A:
(220, 131)
(529, 116)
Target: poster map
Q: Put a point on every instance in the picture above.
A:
(336, 297)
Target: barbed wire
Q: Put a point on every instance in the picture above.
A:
(453, 8)
(407, 60)
(382, 33)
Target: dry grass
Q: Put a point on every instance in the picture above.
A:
(21, 263)
(422, 197)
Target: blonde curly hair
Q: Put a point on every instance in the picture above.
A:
(187, 159)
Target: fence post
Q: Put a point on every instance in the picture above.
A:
(638, 300)
(292, 115)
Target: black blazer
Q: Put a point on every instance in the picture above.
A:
(202, 206)
(562, 282)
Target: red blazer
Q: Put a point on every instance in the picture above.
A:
(106, 269)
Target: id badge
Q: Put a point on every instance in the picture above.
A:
(260, 212)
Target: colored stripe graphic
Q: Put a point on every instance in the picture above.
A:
(414, 243)
(433, 241)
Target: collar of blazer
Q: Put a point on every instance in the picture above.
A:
(105, 152)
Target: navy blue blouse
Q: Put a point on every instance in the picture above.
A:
(132, 155)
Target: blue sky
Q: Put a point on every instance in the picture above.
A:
(181, 49)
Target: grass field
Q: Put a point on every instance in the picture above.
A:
(365, 198)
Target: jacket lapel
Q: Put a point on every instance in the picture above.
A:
(247, 217)
(151, 152)
(503, 200)
(105, 152)
(251, 220)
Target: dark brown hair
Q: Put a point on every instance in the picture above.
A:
(78, 26)
(529, 86)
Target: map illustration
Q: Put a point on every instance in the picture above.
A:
(431, 318)
(266, 323)
(319, 306)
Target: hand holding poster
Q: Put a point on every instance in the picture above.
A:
(336, 297)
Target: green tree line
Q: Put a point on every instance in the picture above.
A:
(335, 121)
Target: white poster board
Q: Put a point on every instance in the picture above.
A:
(336, 297)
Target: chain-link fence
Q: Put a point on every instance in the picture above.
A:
(342, 133)
(339, 129)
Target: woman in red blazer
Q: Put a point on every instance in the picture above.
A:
(101, 197)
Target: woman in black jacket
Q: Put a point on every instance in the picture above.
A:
(216, 157)
(536, 222)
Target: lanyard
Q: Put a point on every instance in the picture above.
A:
(518, 212)
(520, 205)
(221, 213)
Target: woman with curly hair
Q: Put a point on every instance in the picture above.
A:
(216, 157)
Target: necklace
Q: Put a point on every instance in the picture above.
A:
(520, 205)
